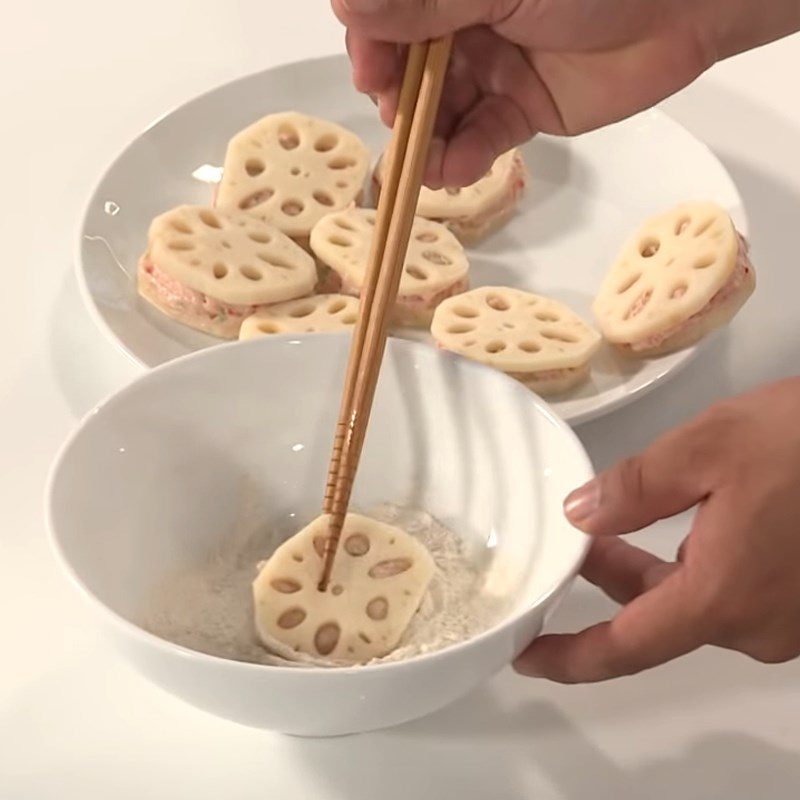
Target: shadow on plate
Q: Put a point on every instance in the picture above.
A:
(551, 206)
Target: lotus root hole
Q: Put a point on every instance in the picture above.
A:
(220, 271)
(302, 311)
(337, 590)
(291, 618)
(628, 283)
(428, 237)
(323, 198)
(649, 247)
(682, 224)
(275, 262)
(254, 167)
(260, 237)
(547, 316)
(288, 137)
(343, 224)
(678, 291)
(416, 272)
(295, 171)
(453, 191)
(326, 143)
(497, 303)
(461, 328)
(558, 336)
(704, 262)
(251, 273)
(340, 241)
(336, 306)
(350, 319)
(181, 246)
(342, 162)
(297, 557)
(436, 258)
(370, 218)
(341, 184)
(285, 585)
(256, 199)
(703, 227)
(326, 638)
(465, 311)
(509, 326)
(319, 545)
(390, 568)
(364, 638)
(180, 226)
(268, 327)
(357, 544)
(529, 347)
(495, 347)
(292, 208)
(638, 305)
(378, 608)
(210, 219)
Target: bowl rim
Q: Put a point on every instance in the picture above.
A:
(171, 649)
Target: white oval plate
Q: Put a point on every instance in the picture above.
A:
(586, 196)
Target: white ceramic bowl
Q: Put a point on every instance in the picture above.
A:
(149, 484)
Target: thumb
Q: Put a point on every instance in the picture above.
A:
(672, 475)
(416, 20)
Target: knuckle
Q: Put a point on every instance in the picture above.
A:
(630, 474)
(719, 617)
(713, 428)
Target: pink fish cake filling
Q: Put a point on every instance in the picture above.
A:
(545, 374)
(190, 304)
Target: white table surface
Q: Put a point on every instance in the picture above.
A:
(77, 81)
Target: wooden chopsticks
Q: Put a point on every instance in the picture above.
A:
(408, 151)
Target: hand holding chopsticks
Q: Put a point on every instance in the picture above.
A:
(408, 151)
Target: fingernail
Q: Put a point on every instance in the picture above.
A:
(583, 502)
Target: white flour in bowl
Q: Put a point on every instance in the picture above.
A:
(210, 608)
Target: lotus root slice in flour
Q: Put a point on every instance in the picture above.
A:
(380, 576)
